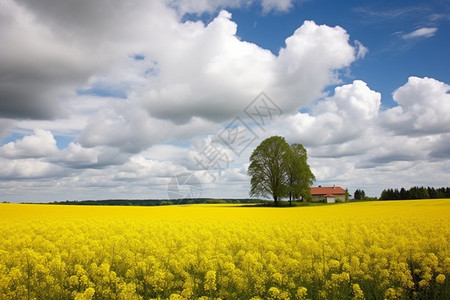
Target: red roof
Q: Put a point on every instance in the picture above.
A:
(321, 190)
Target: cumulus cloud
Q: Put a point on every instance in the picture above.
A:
(75, 44)
(424, 32)
(41, 144)
(30, 168)
(128, 129)
(51, 48)
(76, 156)
(131, 130)
(211, 75)
(141, 167)
(40, 147)
(210, 78)
(352, 142)
(216, 86)
(345, 134)
(337, 119)
(424, 108)
(227, 73)
(308, 63)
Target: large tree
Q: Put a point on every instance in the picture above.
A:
(299, 175)
(268, 169)
(278, 170)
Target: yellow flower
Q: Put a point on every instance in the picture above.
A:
(423, 284)
(391, 294)
(210, 281)
(440, 279)
(277, 278)
(212, 251)
(357, 292)
(333, 264)
(301, 293)
(274, 293)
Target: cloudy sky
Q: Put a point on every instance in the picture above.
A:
(119, 99)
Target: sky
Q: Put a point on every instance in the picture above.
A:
(161, 99)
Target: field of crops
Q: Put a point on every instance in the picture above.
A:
(371, 250)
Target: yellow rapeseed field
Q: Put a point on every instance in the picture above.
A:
(371, 250)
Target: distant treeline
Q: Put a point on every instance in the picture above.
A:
(415, 193)
(156, 202)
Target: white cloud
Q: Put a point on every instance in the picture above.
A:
(308, 63)
(51, 48)
(337, 119)
(424, 108)
(40, 148)
(76, 156)
(211, 75)
(215, 86)
(210, 78)
(40, 144)
(276, 5)
(130, 129)
(352, 143)
(77, 112)
(122, 127)
(30, 168)
(140, 167)
(361, 50)
(424, 32)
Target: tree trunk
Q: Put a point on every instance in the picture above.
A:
(275, 200)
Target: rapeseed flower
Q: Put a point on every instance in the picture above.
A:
(358, 250)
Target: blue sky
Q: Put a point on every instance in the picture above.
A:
(102, 103)
(378, 25)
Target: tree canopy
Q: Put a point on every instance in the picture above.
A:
(299, 175)
(415, 193)
(359, 195)
(280, 170)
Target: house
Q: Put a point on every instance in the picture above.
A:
(328, 194)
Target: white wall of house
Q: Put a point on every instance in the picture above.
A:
(322, 198)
